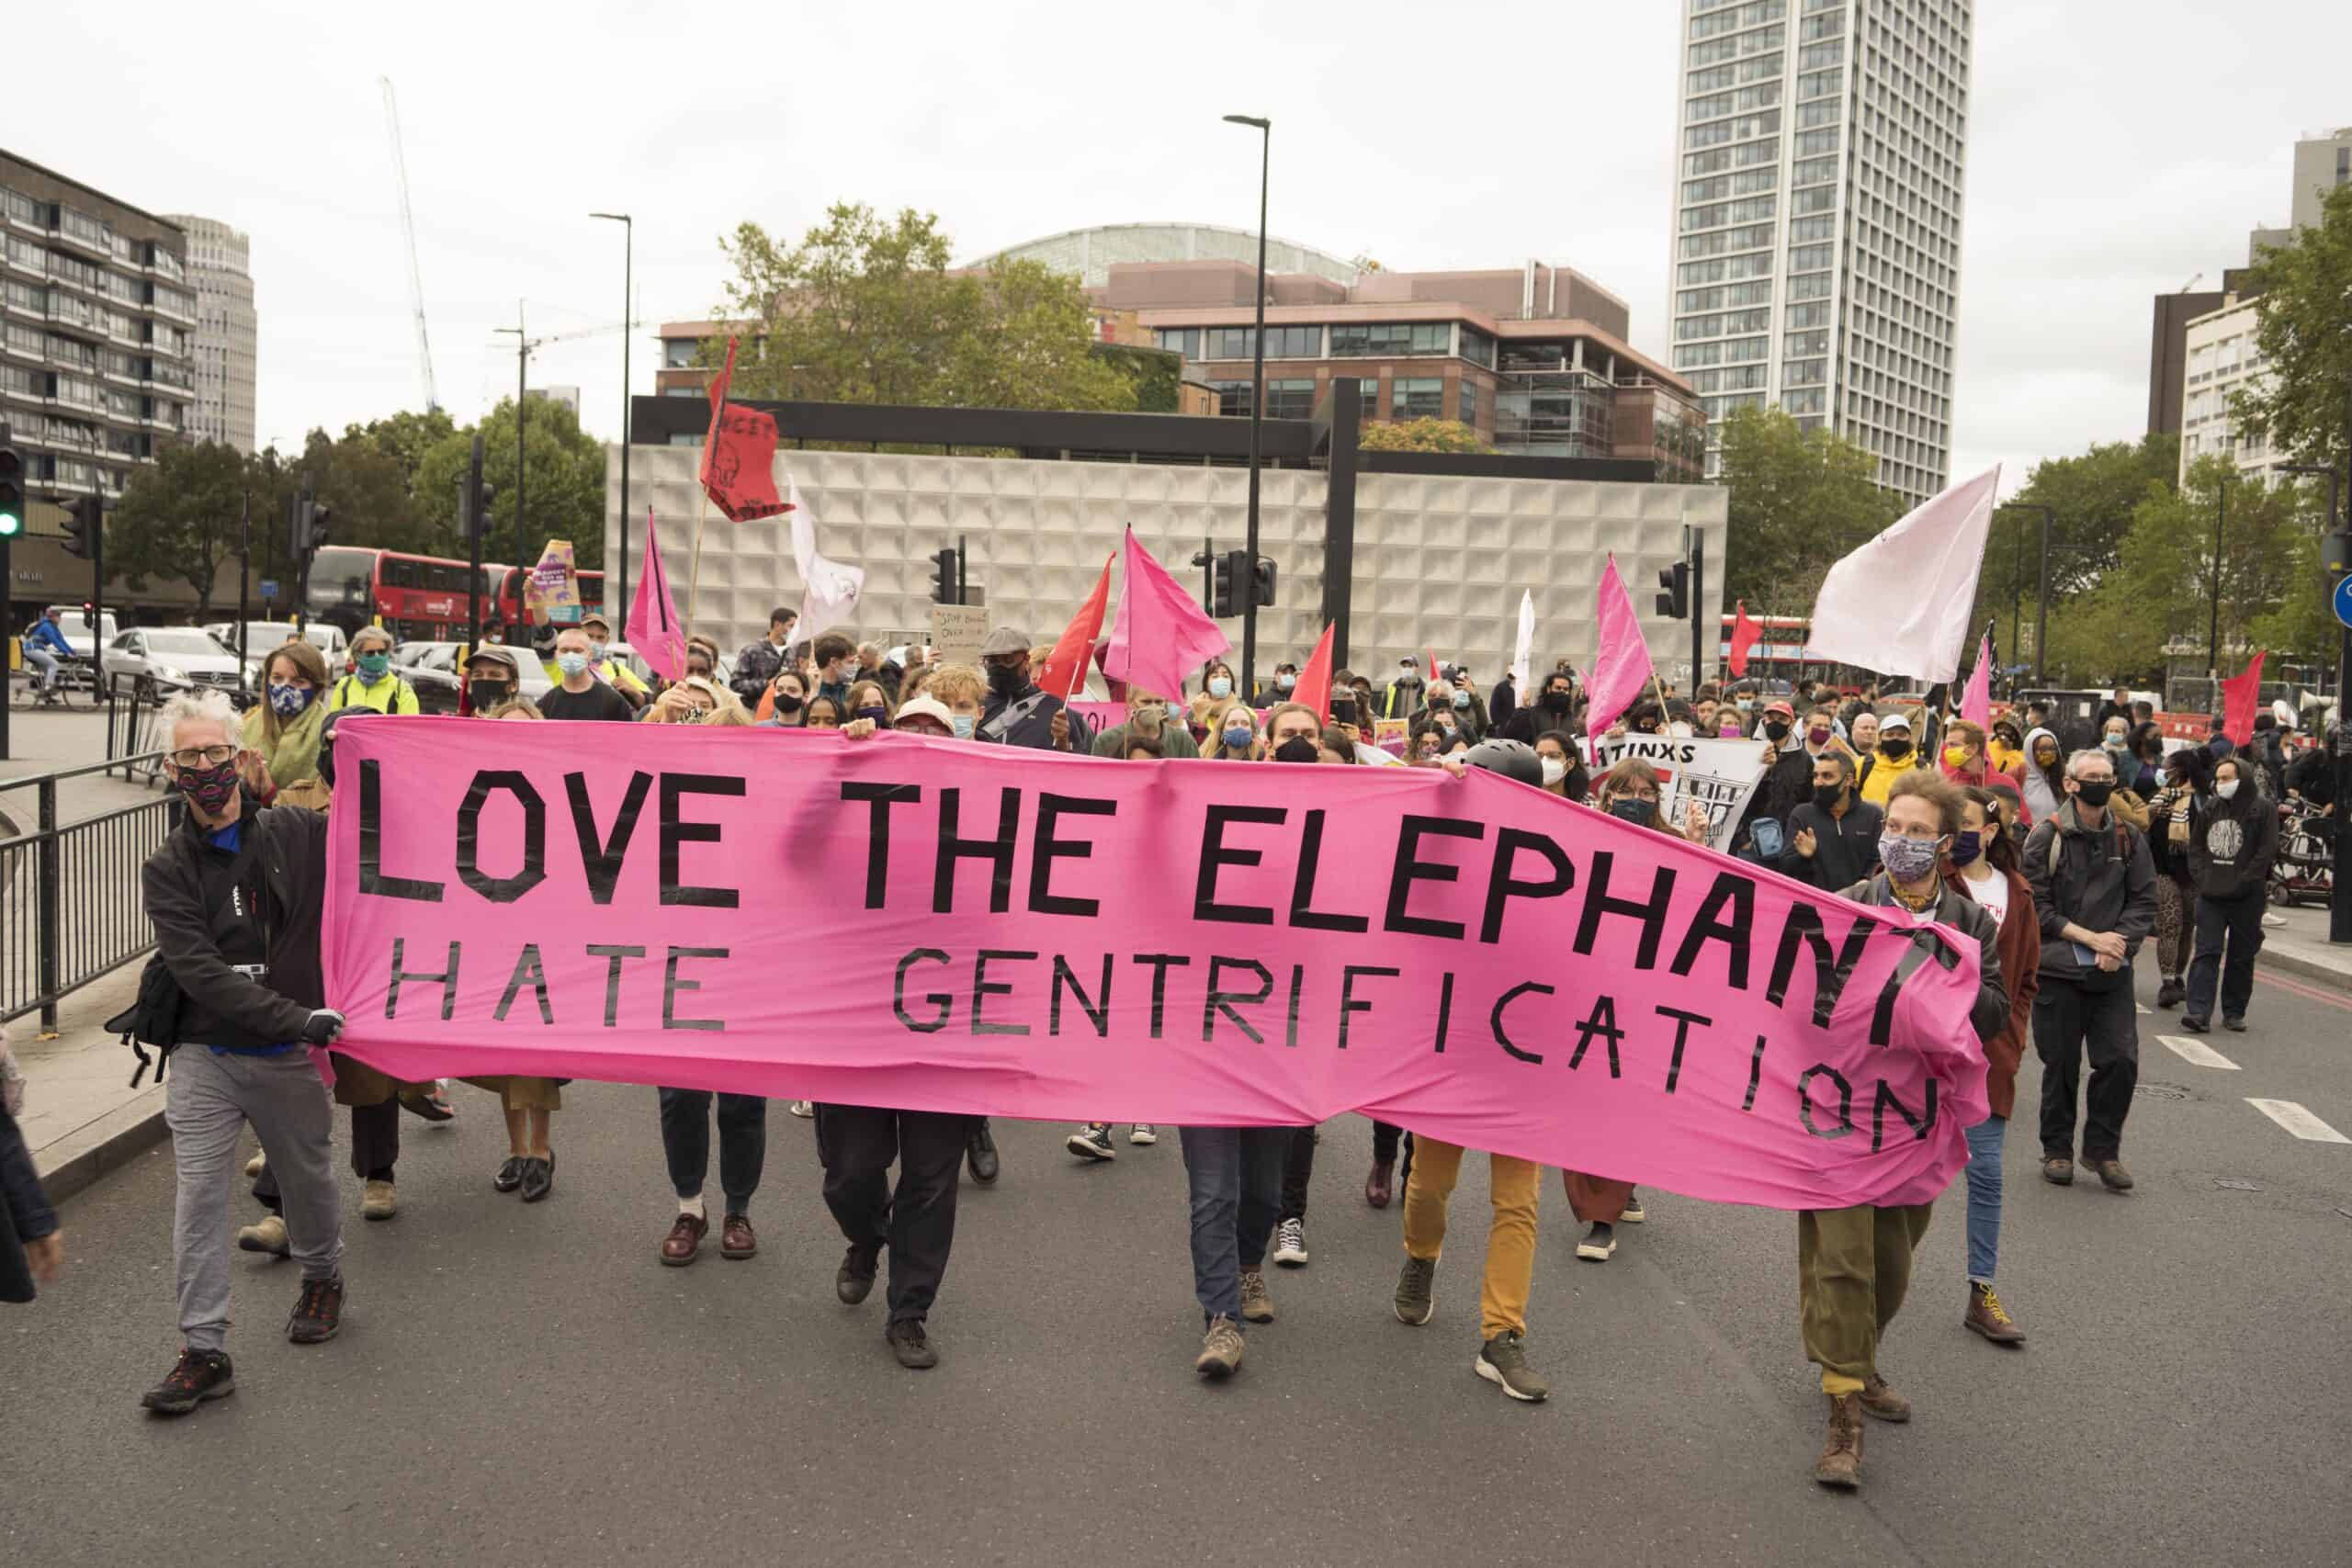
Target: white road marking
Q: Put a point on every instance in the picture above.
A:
(2299, 1121)
(2195, 1053)
(2145, 1010)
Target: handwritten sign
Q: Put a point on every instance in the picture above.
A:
(957, 631)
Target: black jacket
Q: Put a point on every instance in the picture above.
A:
(1500, 702)
(2102, 880)
(290, 869)
(1034, 729)
(1845, 849)
(1530, 719)
(1786, 785)
(25, 1213)
(2232, 844)
(1990, 1011)
(2313, 775)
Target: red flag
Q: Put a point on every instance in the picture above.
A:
(738, 454)
(1430, 653)
(2240, 695)
(1065, 671)
(1314, 686)
(1744, 633)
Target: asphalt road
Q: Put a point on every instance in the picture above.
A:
(519, 1385)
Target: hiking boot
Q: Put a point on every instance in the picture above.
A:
(1143, 1135)
(1221, 1348)
(912, 1345)
(1502, 1361)
(1840, 1463)
(1633, 1212)
(256, 1165)
(199, 1375)
(979, 1151)
(1257, 1306)
(854, 1281)
(2058, 1170)
(318, 1312)
(2172, 993)
(1987, 1316)
(1599, 1241)
(2111, 1171)
(1881, 1402)
(265, 1234)
(1091, 1142)
(1380, 1184)
(1417, 1290)
(1290, 1244)
(379, 1201)
(2196, 1023)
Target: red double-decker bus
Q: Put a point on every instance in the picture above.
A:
(415, 598)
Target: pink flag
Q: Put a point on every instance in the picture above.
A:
(1623, 666)
(653, 627)
(1977, 702)
(1160, 633)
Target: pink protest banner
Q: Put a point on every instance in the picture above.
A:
(1061, 938)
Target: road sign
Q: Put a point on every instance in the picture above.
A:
(2341, 602)
(269, 588)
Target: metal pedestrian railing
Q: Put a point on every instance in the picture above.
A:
(71, 906)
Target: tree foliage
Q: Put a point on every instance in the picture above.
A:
(864, 310)
(2303, 406)
(182, 517)
(1800, 499)
(564, 488)
(1421, 436)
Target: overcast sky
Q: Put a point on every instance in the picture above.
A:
(2118, 147)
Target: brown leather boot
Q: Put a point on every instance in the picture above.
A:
(1380, 1186)
(1879, 1399)
(1841, 1464)
(1988, 1317)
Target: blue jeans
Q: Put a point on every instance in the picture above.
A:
(1235, 1179)
(1985, 1142)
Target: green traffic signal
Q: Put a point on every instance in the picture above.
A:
(10, 524)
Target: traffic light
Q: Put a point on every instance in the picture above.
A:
(474, 496)
(943, 577)
(83, 521)
(11, 487)
(310, 525)
(1261, 583)
(1674, 584)
(1223, 606)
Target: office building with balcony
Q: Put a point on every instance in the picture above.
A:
(1821, 164)
(218, 266)
(98, 335)
(1532, 358)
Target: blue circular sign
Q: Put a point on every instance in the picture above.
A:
(2341, 601)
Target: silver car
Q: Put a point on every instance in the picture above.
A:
(162, 658)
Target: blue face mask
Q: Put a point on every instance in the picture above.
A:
(1220, 686)
(597, 652)
(1461, 699)
(1286, 682)
(962, 724)
(289, 699)
(571, 664)
(1239, 739)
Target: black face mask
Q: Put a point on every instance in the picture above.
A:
(1827, 797)
(488, 695)
(1775, 730)
(1634, 809)
(1895, 748)
(1556, 702)
(787, 703)
(1005, 681)
(2094, 792)
(1297, 749)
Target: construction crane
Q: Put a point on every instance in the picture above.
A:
(408, 230)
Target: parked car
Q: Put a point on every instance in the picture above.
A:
(432, 668)
(158, 659)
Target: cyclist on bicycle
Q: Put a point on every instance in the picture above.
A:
(44, 636)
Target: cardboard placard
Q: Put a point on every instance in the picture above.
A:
(956, 632)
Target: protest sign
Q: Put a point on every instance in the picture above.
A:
(956, 632)
(1390, 734)
(552, 593)
(1719, 774)
(1060, 938)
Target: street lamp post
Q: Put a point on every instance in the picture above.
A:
(1256, 406)
(2042, 614)
(628, 323)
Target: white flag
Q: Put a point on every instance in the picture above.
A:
(831, 594)
(1526, 653)
(1899, 606)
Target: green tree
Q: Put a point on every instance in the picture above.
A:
(1421, 436)
(864, 310)
(1800, 499)
(405, 437)
(2092, 499)
(563, 486)
(2303, 405)
(180, 517)
(372, 496)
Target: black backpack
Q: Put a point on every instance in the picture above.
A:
(153, 1019)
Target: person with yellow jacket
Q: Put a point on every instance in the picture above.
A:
(372, 683)
(1890, 760)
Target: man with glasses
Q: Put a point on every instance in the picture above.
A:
(1854, 1264)
(2095, 888)
(235, 895)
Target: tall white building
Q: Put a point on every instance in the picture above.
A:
(219, 266)
(1819, 174)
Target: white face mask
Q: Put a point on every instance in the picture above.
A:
(2226, 788)
(1554, 769)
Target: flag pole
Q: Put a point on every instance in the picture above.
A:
(693, 572)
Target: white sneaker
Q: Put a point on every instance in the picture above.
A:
(1290, 1244)
(803, 1110)
(1142, 1134)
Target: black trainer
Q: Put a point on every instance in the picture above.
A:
(912, 1345)
(855, 1279)
(318, 1314)
(200, 1375)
